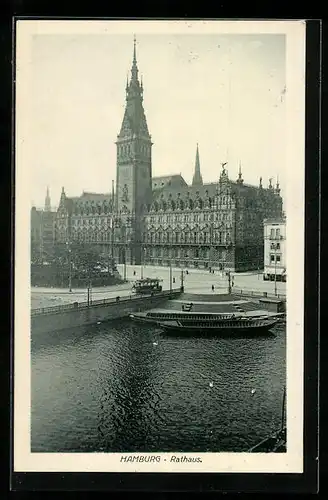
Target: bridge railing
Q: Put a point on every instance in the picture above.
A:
(113, 300)
(257, 294)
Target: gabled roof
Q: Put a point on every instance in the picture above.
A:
(175, 190)
(175, 180)
(86, 196)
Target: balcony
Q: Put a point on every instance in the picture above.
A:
(276, 238)
(189, 244)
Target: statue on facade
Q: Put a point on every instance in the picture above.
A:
(224, 173)
(125, 209)
(125, 194)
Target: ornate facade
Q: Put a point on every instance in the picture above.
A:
(163, 220)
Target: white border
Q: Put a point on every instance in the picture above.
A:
(292, 461)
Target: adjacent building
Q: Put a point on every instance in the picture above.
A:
(275, 249)
(162, 220)
(42, 231)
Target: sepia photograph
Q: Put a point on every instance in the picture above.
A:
(159, 246)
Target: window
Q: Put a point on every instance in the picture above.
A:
(272, 233)
(271, 258)
(278, 258)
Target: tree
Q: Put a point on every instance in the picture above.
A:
(86, 260)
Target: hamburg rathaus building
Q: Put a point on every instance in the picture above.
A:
(163, 220)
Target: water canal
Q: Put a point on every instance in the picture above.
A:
(122, 387)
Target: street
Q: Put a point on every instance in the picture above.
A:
(196, 281)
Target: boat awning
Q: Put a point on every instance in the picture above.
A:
(270, 301)
(188, 313)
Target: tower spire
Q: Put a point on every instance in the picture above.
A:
(134, 70)
(47, 204)
(240, 179)
(197, 178)
(134, 49)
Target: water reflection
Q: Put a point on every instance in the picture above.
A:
(125, 387)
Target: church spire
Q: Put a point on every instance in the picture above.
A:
(47, 203)
(197, 178)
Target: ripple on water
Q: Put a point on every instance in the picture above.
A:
(109, 388)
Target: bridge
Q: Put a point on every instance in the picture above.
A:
(80, 314)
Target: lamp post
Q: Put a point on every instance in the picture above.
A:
(229, 282)
(211, 247)
(124, 261)
(182, 284)
(275, 268)
(142, 262)
(170, 276)
(69, 265)
(89, 292)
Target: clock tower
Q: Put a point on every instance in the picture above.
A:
(133, 164)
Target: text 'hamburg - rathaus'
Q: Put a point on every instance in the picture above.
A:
(163, 220)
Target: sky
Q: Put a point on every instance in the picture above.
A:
(224, 92)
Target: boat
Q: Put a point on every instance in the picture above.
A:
(147, 286)
(185, 321)
(210, 314)
(276, 442)
(222, 325)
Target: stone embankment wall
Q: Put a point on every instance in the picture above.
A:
(47, 320)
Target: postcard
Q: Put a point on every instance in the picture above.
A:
(159, 246)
